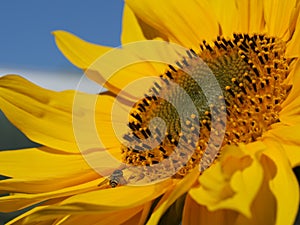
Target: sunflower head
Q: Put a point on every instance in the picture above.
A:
(250, 71)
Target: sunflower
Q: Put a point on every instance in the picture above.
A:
(251, 48)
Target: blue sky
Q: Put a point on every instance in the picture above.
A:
(27, 47)
(26, 26)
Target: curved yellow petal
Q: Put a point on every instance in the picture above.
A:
(172, 195)
(55, 177)
(134, 29)
(19, 201)
(140, 218)
(269, 204)
(92, 121)
(277, 15)
(288, 136)
(119, 217)
(170, 17)
(293, 153)
(116, 73)
(133, 64)
(84, 55)
(231, 183)
(21, 219)
(285, 134)
(131, 29)
(36, 170)
(287, 201)
(195, 214)
(48, 117)
(263, 207)
(44, 116)
(199, 214)
(289, 115)
(122, 73)
(124, 217)
(102, 201)
(81, 53)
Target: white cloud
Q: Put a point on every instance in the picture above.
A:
(55, 80)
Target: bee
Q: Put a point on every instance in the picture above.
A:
(115, 179)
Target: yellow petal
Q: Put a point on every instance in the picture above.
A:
(131, 30)
(263, 207)
(287, 201)
(293, 79)
(21, 220)
(293, 153)
(232, 183)
(195, 214)
(44, 116)
(226, 13)
(47, 117)
(285, 134)
(289, 115)
(172, 195)
(244, 16)
(277, 15)
(270, 205)
(36, 170)
(135, 67)
(288, 136)
(125, 71)
(119, 217)
(170, 17)
(19, 201)
(88, 57)
(130, 216)
(250, 16)
(134, 29)
(290, 107)
(122, 217)
(293, 47)
(132, 63)
(81, 53)
(102, 201)
(140, 218)
(92, 121)
(48, 172)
